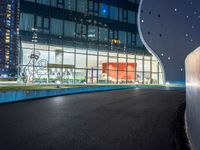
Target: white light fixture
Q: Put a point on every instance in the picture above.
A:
(58, 83)
(167, 83)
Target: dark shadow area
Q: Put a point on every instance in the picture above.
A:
(181, 136)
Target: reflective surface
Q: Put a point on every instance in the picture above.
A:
(75, 44)
(193, 97)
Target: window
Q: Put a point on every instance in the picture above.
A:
(69, 28)
(96, 8)
(57, 3)
(103, 34)
(93, 8)
(103, 12)
(131, 39)
(80, 31)
(45, 2)
(56, 26)
(54, 3)
(46, 23)
(112, 35)
(122, 37)
(60, 3)
(82, 6)
(131, 17)
(80, 61)
(26, 22)
(42, 24)
(92, 33)
(38, 22)
(113, 13)
(70, 4)
(138, 41)
(123, 15)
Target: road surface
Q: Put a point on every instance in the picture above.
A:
(133, 119)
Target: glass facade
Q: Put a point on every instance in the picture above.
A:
(9, 19)
(83, 42)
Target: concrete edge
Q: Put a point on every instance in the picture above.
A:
(23, 95)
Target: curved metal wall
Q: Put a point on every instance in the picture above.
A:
(156, 28)
(192, 64)
(145, 42)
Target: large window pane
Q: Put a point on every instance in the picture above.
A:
(56, 26)
(103, 11)
(54, 3)
(69, 28)
(68, 59)
(80, 61)
(26, 22)
(147, 66)
(92, 76)
(147, 78)
(80, 76)
(131, 17)
(138, 41)
(122, 37)
(154, 78)
(92, 33)
(82, 6)
(45, 2)
(39, 22)
(70, 4)
(92, 62)
(68, 75)
(161, 78)
(154, 66)
(81, 31)
(139, 65)
(56, 57)
(113, 13)
(103, 34)
(46, 23)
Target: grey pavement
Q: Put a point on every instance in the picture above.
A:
(133, 119)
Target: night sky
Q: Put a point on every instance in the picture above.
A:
(172, 29)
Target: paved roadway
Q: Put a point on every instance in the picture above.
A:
(133, 119)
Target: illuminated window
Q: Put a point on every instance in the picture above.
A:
(103, 12)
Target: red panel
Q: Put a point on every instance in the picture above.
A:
(122, 69)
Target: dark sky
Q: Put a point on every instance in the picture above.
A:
(172, 29)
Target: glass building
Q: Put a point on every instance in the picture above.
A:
(84, 41)
(9, 18)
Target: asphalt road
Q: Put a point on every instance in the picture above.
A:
(133, 119)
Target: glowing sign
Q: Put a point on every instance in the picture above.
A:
(115, 42)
